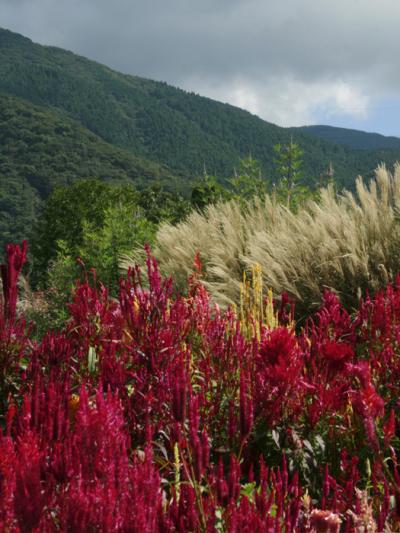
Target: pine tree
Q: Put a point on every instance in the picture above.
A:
(288, 163)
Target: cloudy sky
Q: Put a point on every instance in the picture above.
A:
(292, 62)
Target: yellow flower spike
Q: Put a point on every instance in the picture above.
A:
(234, 310)
(253, 313)
(368, 468)
(73, 404)
(258, 290)
(306, 501)
(271, 318)
(168, 308)
(177, 471)
(136, 306)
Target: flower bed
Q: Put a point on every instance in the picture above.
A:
(156, 412)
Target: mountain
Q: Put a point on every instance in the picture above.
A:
(359, 140)
(161, 123)
(63, 117)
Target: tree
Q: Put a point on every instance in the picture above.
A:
(124, 228)
(207, 190)
(248, 181)
(288, 165)
(159, 204)
(66, 214)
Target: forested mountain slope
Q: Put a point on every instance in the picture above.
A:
(182, 130)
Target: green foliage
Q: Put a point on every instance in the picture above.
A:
(72, 216)
(47, 309)
(124, 227)
(248, 180)
(91, 220)
(61, 276)
(64, 118)
(160, 205)
(288, 189)
(288, 163)
(246, 183)
(207, 191)
(19, 205)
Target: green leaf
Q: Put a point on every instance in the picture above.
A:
(248, 490)
(219, 520)
(92, 360)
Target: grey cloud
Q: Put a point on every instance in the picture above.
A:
(221, 36)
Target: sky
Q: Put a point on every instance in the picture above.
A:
(292, 62)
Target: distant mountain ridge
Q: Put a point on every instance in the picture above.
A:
(359, 140)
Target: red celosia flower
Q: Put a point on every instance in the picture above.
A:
(389, 429)
(278, 375)
(336, 353)
(10, 271)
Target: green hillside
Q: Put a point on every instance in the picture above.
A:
(182, 130)
(359, 140)
(40, 148)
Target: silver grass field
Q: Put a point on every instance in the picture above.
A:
(344, 242)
